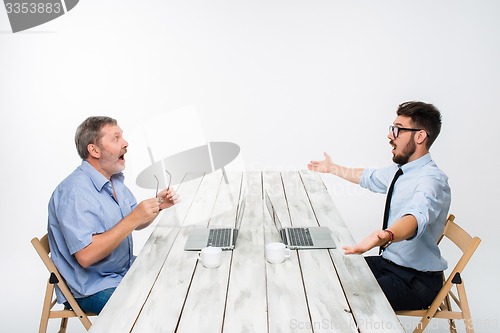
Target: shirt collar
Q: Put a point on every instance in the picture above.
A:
(418, 163)
(96, 177)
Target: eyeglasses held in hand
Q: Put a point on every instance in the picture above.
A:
(158, 182)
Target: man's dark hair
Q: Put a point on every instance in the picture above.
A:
(89, 132)
(423, 115)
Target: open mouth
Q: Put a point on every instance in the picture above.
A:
(122, 156)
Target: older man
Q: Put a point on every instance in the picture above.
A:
(92, 215)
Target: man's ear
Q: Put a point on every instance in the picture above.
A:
(94, 150)
(421, 136)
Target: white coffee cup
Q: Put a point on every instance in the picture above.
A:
(277, 252)
(211, 257)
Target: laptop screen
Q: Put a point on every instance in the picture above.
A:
(273, 213)
(241, 210)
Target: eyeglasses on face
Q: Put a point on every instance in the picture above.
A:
(158, 182)
(394, 130)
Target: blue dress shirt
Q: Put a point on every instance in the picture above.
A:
(422, 191)
(80, 207)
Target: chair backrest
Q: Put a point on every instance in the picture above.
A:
(465, 242)
(441, 307)
(42, 247)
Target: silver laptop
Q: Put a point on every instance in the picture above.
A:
(224, 238)
(301, 237)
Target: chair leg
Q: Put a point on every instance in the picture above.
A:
(47, 304)
(64, 325)
(421, 325)
(453, 326)
(464, 305)
(447, 307)
(86, 323)
(426, 318)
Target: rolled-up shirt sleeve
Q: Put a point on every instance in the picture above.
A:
(377, 180)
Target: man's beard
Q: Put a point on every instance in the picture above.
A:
(408, 150)
(110, 163)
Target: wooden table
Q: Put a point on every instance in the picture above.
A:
(168, 290)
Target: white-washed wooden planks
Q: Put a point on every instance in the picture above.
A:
(205, 304)
(167, 290)
(246, 305)
(328, 307)
(371, 310)
(287, 306)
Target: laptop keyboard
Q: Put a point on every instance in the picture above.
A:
(300, 237)
(219, 237)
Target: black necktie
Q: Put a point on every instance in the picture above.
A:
(388, 199)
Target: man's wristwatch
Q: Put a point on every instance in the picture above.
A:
(391, 238)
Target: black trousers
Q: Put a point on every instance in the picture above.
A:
(405, 288)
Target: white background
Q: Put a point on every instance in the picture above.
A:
(286, 80)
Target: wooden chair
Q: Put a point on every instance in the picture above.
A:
(42, 248)
(441, 307)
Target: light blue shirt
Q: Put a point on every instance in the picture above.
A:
(80, 207)
(422, 191)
